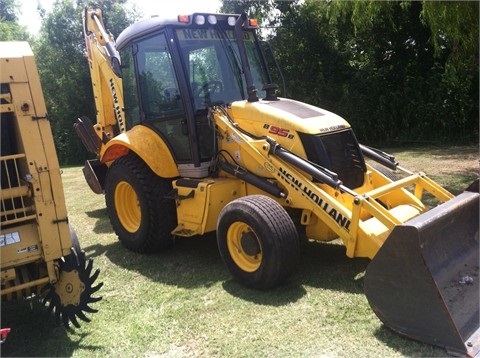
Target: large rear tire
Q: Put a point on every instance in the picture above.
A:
(257, 241)
(140, 214)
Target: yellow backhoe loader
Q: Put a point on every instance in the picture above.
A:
(40, 252)
(190, 138)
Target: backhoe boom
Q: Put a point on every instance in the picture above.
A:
(104, 62)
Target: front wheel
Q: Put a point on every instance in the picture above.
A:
(258, 241)
(140, 214)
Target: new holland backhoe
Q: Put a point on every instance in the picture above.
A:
(40, 252)
(190, 138)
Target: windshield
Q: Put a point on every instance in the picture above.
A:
(212, 59)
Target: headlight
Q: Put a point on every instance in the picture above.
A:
(212, 19)
(231, 20)
(200, 20)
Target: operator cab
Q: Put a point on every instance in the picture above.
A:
(173, 70)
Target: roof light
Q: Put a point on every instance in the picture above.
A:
(200, 20)
(212, 19)
(184, 18)
(231, 20)
(253, 22)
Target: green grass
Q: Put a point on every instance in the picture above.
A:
(453, 167)
(183, 302)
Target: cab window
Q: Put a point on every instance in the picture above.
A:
(159, 93)
(161, 106)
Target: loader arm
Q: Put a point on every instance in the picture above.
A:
(359, 219)
(295, 175)
(104, 63)
(420, 258)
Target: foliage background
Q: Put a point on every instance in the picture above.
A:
(401, 72)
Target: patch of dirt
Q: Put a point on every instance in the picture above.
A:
(463, 160)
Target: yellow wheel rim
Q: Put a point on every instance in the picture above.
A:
(244, 247)
(127, 206)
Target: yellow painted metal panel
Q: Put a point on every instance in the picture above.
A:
(149, 146)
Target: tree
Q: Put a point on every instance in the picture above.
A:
(253, 8)
(10, 30)
(425, 55)
(455, 27)
(64, 70)
(312, 58)
(267, 12)
(9, 10)
(375, 64)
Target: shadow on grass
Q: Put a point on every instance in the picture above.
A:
(326, 266)
(406, 346)
(102, 224)
(189, 263)
(35, 333)
(320, 265)
(279, 296)
(196, 262)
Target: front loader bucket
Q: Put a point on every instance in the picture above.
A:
(424, 282)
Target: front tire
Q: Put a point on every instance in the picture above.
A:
(140, 214)
(257, 241)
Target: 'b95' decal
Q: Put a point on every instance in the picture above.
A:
(282, 132)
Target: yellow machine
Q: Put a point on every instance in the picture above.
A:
(190, 138)
(40, 252)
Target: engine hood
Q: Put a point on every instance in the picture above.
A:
(286, 114)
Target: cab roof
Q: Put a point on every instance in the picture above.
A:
(154, 23)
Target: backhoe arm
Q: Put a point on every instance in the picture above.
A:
(104, 62)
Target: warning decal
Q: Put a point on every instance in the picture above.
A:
(10, 238)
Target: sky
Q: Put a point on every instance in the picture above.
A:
(31, 20)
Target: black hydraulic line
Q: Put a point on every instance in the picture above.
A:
(251, 178)
(321, 174)
(379, 156)
(115, 61)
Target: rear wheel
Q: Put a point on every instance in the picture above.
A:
(140, 214)
(258, 241)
